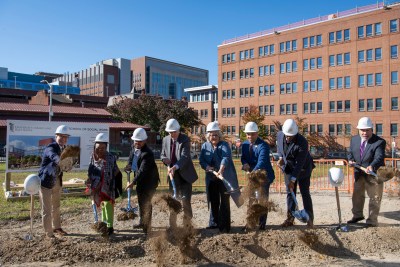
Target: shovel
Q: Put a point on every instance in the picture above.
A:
(340, 227)
(129, 207)
(30, 235)
(300, 215)
(366, 171)
(94, 208)
(235, 193)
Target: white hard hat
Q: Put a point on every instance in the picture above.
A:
(251, 127)
(213, 126)
(290, 128)
(62, 129)
(101, 138)
(336, 176)
(364, 123)
(32, 184)
(139, 135)
(172, 125)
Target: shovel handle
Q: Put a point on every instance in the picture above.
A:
(94, 208)
(219, 176)
(172, 183)
(294, 199)
(365, 170)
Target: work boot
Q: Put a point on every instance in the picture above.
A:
(289, 220)
(310, 224)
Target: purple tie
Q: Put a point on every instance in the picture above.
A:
(362, 148)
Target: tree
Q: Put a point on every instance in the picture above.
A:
(254, 115)
(154, 111)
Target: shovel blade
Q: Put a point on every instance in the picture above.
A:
(237, 198)
(301, 215)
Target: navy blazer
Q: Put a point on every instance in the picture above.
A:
(374, 153)
(182, 153)
(297, 159)
(146, 175)
(48, 168)
(260, 157)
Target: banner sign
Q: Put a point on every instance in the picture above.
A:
(26, 141)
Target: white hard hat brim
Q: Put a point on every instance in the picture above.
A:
(288, 134)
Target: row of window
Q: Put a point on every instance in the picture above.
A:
(267, 110)
(337, 60)
(368, 55)
(230, 130)
(371, 79)
(228, 112)
(288, 46)
(288, 67)
(230, 75)
(247, 73)
(312, 41)
(312, 63)
(266, 70)
(199, 97)
(337, 106)
(288, 109)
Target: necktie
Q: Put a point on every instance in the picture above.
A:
(251, 150)
(362, 148)
(173, 155)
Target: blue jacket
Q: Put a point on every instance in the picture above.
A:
(222, 155)
(260, 157)
(49, 168)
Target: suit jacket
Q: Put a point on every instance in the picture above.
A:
(146, 175)
(48, 168)
(374, 153)
(297, 159)
(260, 157)
(182, 152)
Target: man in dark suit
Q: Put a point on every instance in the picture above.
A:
(255, 156)
(141, 162)
(175, 154)
(297, 164)
(368, 151)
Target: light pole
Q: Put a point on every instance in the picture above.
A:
(15, 82)
(51, 98)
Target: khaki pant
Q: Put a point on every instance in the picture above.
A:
(374, 192)
(50, 201)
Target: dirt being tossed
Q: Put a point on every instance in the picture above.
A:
(172, 203)
(126, 215)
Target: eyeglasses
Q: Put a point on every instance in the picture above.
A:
(214, 135)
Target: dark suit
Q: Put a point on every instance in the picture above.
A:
(259, 160)
(298, 163)
(185, 175)
(374, 155)
(146, 180)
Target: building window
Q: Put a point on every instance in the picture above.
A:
(305, 86)
(312, 41)
(312, 128)
(347, 82)
(319, 39)
(338, 36)
(312, 107)
(378, 53)
(347, 34)
(261, 71)
(294, 108)
(332, 83)
(347, 106)
(339, 105)
(368, 30)
(282, 109)
(394, 103)
(294, 66)
(361, 80)
(361, 105)
(272, 109)
(370, 104)
(282, 89)
(393, 51)
(378, 129)
(378, 79)
(361, 57)
(320, 129)
(360, 32)
(305, 108)
(288, 66)
(319, 85)
(261, 90)
(282, 68)
(319, 62)
(312, 63)
(331, 37)
(347, 58)
(305, 64)
(393, 129)
(305, 42)
(370, 79)
(394, 25)
(331, 129)
(339, 83)
(394, 77)
(319, 107)
(312, 86)
(332, 106)
(331, 60)
(339, 129)
(378, 28)
(378, 104)
(369, 55)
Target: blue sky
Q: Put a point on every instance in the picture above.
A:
(67, 36)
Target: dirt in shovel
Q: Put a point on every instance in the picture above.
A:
(100, 227)
(256, 210)
(126, 215)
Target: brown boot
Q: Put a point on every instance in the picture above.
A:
(289, 220)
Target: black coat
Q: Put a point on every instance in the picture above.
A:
(146, 175)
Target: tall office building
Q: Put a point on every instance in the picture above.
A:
(331, 70)
(168, 79)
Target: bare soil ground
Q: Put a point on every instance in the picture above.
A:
(197, 246)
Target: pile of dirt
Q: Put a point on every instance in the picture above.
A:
(193, 245)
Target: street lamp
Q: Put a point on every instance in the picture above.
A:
(15, 82)
(51, 98)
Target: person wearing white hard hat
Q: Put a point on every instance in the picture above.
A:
(216, 155)
(51, 183)
(175, 154)
(366, 150)
(297, 165)
(103, 177)
(255, 156)
(146, 178)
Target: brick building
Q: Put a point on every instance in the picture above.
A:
(331, 70)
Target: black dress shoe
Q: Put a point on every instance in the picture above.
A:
(212, 227)
(356, 220)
